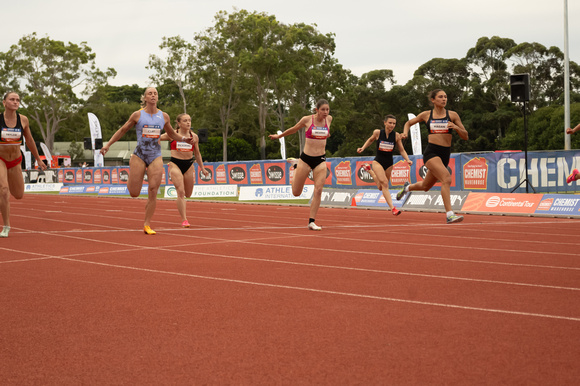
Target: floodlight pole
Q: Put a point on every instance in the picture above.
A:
(567, 143)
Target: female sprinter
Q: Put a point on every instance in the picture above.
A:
(313, 157)
(575, 175)
(382, 165)
(440, 124)
(149, 122)
(13, 127)
(181, 168)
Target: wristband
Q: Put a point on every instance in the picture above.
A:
(182, 139)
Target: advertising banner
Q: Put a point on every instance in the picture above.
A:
(499, 172)
(256, 175)
(276, 173)
(200, 191)
(201, 178)
(337, 197)
(342, 173)
(374, 197)
(561, 204)
(221, 176)
(43, 187)
(502, 203)
(238, 173)
(264, 193)
(433, 200)
(95, 127)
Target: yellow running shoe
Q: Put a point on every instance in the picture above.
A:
(148, 230)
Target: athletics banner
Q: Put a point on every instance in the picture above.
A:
(265, 193)
(415, 136)
(95, 128)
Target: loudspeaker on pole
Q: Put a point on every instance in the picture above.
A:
(520, 87)
(88, 145)
(202, 135)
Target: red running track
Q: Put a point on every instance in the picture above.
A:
(249, 296)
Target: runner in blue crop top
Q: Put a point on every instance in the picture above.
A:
(149, 123)
(313, 158)
(441, 123)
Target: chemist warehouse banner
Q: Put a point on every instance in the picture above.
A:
(498, 172)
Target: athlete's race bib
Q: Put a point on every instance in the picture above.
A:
(319, 133)
(439, 126)
(11, 136)
(184, 146)
(151, 131)
(386, 146)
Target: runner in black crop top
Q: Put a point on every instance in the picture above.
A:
(439, 125)
(382, 165)
(436, 155)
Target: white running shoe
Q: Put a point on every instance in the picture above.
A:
(313, 227)
(5, 231)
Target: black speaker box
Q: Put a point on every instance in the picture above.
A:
(202, 134)
(520, 87)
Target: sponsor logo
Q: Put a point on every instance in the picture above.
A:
(170, 192)
(275, 173)
(342, 173)
(237, 174)
(400, 173)
(256, 174)
(493, 201)
(365, 176)
(209, 175)
(220, 174)
(475, 174)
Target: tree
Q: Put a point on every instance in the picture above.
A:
(218, 73)
(180, 56)
(488, 61)
(48, 73)
(75, 151)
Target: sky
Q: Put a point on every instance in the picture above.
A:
(399, 35)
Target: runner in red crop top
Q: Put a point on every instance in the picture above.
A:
(13, 127)
(313, 157)
(181, 169)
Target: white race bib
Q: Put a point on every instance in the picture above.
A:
(439, 126)
(151, 131)
(11, 136)
(386, 146)
(319, 132)
(184, 146)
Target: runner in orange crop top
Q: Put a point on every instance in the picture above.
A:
(313, 158)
